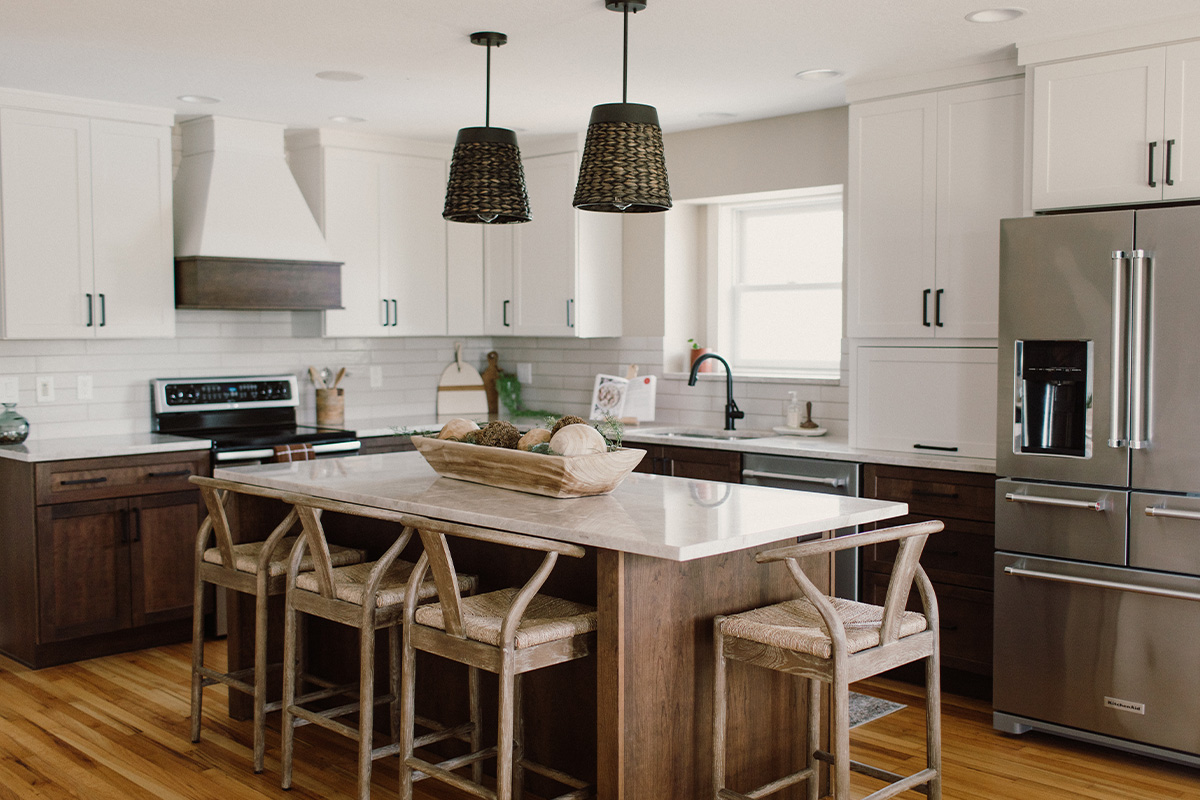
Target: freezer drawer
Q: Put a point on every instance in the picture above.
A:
(1110, 651)
(1164, 532)
(1081, 523)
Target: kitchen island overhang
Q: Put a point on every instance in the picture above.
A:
(666, 556)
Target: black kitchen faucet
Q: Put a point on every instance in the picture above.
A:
(732, 412)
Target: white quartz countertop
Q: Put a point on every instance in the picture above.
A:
(652, 515)
(831, 447)
(132, 444)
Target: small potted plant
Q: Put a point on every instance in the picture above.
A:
(698, 351)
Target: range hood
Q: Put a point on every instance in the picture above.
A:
(244, 235)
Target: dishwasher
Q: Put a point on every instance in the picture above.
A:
(813, 475)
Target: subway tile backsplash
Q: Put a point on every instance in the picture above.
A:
(211, 343)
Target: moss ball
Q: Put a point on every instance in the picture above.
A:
(567, 420)
(499, 433)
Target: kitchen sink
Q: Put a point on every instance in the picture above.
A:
(719, 435)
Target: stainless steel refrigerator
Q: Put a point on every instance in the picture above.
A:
(1097, 569)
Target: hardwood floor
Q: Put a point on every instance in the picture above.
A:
(116, 728)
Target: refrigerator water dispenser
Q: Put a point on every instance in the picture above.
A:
(1053, 398)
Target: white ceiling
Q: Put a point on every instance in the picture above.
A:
(701, 62)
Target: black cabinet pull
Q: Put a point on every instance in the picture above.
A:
(103, 315)
(505, 313)
(570, 303)
(925, 307)
(948, 627)
(136, 528)
(935, 447)
(385, 313)
(89, 306)
(81, 481)
(946, 553)
(395, 313)
(937, 308)
(1151, 180)
(179, 473)
(1167, 167)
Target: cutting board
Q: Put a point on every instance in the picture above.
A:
(460, 391)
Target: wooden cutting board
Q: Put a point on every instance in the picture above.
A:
(460, 391)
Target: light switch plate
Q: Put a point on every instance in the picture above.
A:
(10, 389)
(525, 373)
(45, 388)
(83, 387)
(376, 377)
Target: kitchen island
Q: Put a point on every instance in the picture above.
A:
(665, 556)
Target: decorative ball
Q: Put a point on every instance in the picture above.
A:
(499, 433)
(457, 428)
(578, 439)
(533, 436)
(565, 421)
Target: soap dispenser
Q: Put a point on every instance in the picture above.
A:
(794, 412)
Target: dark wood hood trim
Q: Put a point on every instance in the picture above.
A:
(256, 283)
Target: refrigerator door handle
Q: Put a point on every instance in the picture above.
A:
(1139, 347)
(1118, 435)
(1063, 502)
(1101, 584)
(1172, 513)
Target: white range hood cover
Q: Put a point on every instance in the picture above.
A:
(236, 198)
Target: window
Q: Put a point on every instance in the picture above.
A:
(779, 282)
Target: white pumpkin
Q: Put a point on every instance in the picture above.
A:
(456, 428)
(578, 440)
(533, 436)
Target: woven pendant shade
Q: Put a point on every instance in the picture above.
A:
(487, 182)
(623, 168)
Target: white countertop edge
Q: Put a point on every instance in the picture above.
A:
(109, 446)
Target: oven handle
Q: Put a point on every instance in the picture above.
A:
(267, 452)
(1032, 499)
(836, 483)
(1101, 584)
(1173, 513)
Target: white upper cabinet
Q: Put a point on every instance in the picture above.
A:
(931, 176)
(380, 209)
(560, 273)
(1116, 129)
(85, 209)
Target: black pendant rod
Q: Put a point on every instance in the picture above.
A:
(487, 101)
(625, 59)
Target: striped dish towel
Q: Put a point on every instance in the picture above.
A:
(293, 452)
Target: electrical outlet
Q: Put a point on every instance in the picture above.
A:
(376, 377)
(525, 373)
(45, 388)
(10, 389)
(83, 387)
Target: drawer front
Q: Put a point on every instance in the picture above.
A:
(1164, 532)
(933, 493)
(93, 479)
(1079, 523)
(960, 555)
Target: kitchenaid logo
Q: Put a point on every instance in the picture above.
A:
(1125, 705)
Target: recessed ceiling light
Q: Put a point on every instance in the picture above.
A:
(339, 76)
(818, 74)
(345, 119)
(995, 14)
(196, 98)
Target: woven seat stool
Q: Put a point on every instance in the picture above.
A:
(256, 568)
(506, 632)
(836, 641)
(368, 596)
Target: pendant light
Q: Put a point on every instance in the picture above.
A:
(487, 182)
(623, 168)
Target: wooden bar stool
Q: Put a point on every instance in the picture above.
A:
(256, 568)
(369, 596)
(821, 638)
(507, 632)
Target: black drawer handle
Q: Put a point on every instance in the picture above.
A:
(179, 473)
(935, 447)
(948, 627)
(80, 481)
(946, 553)
(943, 495)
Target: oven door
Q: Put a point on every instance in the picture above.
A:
(1097, 650)
(264, 455)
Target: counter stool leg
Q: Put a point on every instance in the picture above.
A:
(288, 727)
(260, 670)
(394, 656)
(933, 721)
(366, 701)
(840, 701)
(504, 730)
(518, 739)
(197, 654)
(718, 717)
(476, 713)
(814, 735)
(408, 691)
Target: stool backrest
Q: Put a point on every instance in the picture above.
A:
(217, 495)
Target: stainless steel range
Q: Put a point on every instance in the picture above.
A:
(246, 418)
(1097, 603)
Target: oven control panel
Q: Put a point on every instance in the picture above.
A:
(211, 394)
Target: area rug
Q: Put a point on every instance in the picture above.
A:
(864, 708)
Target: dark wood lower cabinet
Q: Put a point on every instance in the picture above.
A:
(96, 555)
(691, 462)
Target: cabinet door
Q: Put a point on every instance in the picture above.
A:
(499, 302)
(1094, 120)
(131, 230)
(702, 464)
(979, 182)
(352, 224)
(162, 539)
(83, 569)
(46, 212)
(929, 400)
(546, 249)
(1182, 122)
(891, 229)
(412, 243)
